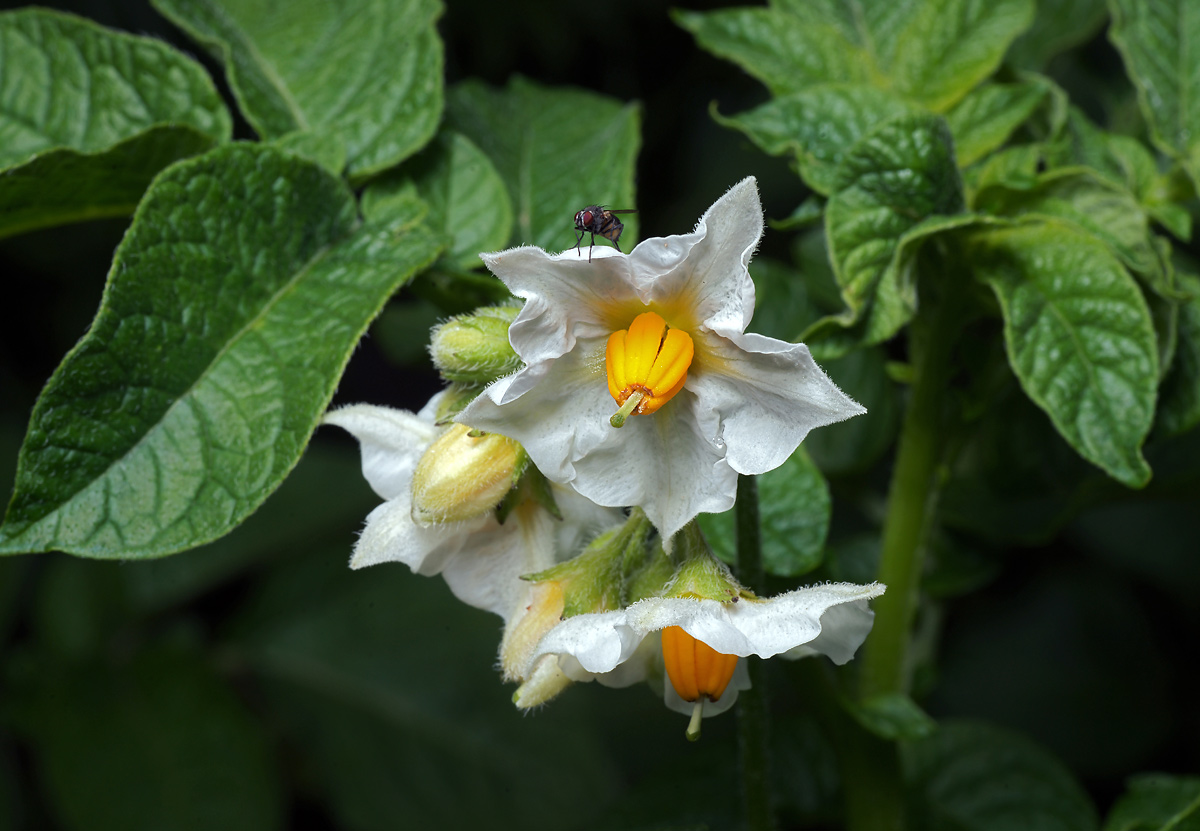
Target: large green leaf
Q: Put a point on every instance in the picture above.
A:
(233, 304)
(899, 180)
(161, 742)
(794, 506)
(1157, 802)
(557, 150)
(1079, 338)
(1157, 39)
(88, 116)
(371, 73)
(819, 125)
(987, 116)
(466, 197)
(784, 51)
(1107, 211)
(947, 47)
(974, 777)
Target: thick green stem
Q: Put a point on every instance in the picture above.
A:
(871, 767)
(753, 727)
(886, 667)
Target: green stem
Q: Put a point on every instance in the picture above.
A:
(885, 666)
(871, 767)
(753, 727)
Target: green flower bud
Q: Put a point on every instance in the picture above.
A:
(474, 348)
(463, 476)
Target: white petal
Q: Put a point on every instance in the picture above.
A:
(588, 645)
(391, 442)
(767, 394)
(486, 571)
(391, 535)
(713, 280)
(593, 644)
(566, 297)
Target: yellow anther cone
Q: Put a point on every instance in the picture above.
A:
(648, 359)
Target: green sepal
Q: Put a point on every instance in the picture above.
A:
(698, 572)
(595, 580)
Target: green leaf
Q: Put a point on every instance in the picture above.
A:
(1157, 802)
(892, 716)
(1179, 397)
(947, 47)
(1107, 211)
(892, 181)
(794, 506)
(1079, 338)
(466, 197)
(326, 149)
(1157, 39)
(975, 777)
(818, 126)
(88, 116)
(160, 743)
(1058, 26)
(1013, 167)
(233, 304)
(557, 150)
(784, 51)
(987, 116)
(370, 74)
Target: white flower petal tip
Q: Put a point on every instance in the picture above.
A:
(743, 404)
(829, 619)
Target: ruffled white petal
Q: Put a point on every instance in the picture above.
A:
(767, 395)
(591, 645)
(713, 279)
(391, 442)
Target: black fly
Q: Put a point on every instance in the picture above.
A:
(596, 219)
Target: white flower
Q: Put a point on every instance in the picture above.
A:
(623, 647)
(481, 559)
(730, 402)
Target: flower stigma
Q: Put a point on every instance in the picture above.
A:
(696, 670)
(647, 365)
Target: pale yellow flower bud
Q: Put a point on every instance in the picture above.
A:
(463, 476)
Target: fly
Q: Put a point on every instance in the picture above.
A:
(596, 219)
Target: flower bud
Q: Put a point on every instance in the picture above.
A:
(462, 476)
(474, 348)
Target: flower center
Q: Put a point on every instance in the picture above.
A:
(647, 365)
(697, 671)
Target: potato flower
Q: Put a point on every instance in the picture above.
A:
(641, 385)
(453, 531)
